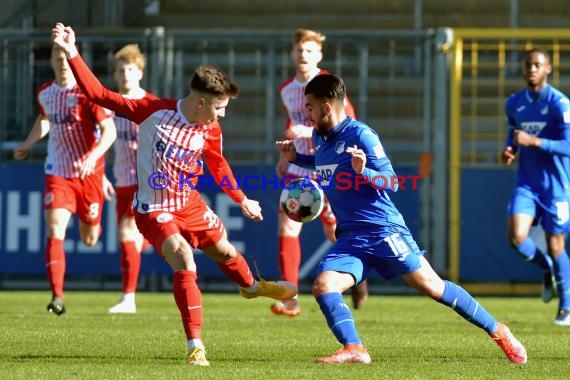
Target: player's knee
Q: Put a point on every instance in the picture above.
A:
(289, 228)
(222, 251)
(319, 287)
(556, 246)
(516, 239)
(56, 232)
(90, 240)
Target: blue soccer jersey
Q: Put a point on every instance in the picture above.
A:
(546, 114)
(359, 201)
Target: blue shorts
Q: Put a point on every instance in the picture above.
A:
(358, 252)
(553, 214)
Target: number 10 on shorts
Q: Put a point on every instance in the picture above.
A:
(398, 245)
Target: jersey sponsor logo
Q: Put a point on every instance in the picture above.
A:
(301, 117)
(325, 173)
(176, 153)
(544, 111)
(533, 127)
(339, 147)
(521, 108)
(61, 119)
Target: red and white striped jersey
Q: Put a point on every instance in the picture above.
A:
(126, 147)
(172, 151)
(292, 93)
(73, 128)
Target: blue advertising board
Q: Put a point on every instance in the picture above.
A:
(22, 228)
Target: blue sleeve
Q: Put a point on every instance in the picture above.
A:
(561, 146)
(511, 124)
(378, 170)
(306, 161)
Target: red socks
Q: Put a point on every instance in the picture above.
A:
(189, 300)
(289, 258)
(55, 265)
(238, 271)
(130, 266)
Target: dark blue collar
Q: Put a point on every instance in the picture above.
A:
(534, 96)
(337, 128)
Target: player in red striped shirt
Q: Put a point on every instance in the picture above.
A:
(80, 133)
(177, 136)
(128, 69)
(306, 53)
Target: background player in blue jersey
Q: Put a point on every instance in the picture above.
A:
(371, 234)
(539, 121)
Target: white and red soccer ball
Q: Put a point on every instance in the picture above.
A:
(302, 200)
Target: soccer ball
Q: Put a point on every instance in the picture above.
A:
(302, 200)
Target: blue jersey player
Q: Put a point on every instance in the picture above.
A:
(355, 175)
(539, 121)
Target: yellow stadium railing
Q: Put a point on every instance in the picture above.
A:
(485, 67)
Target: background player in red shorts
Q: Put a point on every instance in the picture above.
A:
(177, 136)
(306, 53)
(128, 69)
(80, 133)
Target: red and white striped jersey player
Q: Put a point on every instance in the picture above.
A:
(80, 132)
(128, 68)
(176, 138)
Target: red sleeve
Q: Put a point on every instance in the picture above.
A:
(136, 110)
(288, 123)
(99, 112)
(40, 89)
(218, 166)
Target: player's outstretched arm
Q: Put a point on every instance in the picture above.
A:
(64, 37)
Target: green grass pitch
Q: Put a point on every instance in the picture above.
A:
(409, 337)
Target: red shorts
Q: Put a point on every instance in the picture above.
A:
(327, 216)
(124, 206)
(196, 222)
(83, 197)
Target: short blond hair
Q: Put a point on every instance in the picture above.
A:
(303, 35)
(131, 54)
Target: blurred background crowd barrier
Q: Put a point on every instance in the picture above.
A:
(434, 94)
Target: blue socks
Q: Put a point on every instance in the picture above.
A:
(561, 270)
(465, 305)
(339, 318)
(530, 252)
